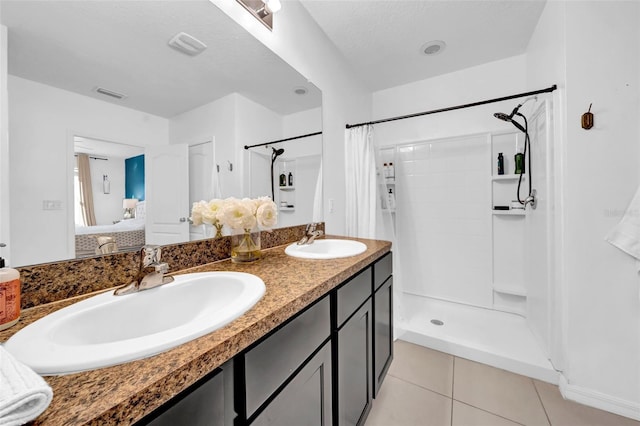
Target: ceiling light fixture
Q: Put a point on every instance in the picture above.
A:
(432, 48)
(263, 10)
(300, 90)
(187, 44)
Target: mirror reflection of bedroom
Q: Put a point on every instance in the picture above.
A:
(109, 197)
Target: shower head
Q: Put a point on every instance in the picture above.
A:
(509, 118)
(276, 153)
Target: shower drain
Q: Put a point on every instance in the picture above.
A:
(436, 322)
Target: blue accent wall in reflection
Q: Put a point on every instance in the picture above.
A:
(134, 177)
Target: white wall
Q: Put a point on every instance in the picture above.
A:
(5, 227)
(215, 119)
(599, 179)
(298, 40)
(108, 207)
(487, 81)
(42, 121)
(254, 124)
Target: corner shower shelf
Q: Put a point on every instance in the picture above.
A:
(499, 178)
(515, 212)
(513, 289)
(287, 209)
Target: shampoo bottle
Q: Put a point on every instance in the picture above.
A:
(500, 164)
(290, 179)
(9, 296)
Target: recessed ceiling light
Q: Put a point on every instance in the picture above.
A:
(300, 90)
(432, 48)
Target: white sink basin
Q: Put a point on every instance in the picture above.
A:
(106, 330)
(326, 249)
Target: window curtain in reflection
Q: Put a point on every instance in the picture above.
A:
(360, 182)
(86, 193)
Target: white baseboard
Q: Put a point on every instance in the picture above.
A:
(599, 400)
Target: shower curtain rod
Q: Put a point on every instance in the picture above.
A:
(283, 140)
(434, 111)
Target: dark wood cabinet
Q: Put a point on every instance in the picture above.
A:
(322, 367)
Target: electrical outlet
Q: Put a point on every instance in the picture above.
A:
(51, 205)
(330, 205)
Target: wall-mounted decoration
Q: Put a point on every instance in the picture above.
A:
(106, 184)
(587, 119)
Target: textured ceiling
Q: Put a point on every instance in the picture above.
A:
(381, 39)
(122, 46)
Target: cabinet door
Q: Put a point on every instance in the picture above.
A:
(209, 402)
(383, 333)
(306, 400)
(354, 367)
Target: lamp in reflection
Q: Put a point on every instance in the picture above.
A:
(262, 9)
(129, 206)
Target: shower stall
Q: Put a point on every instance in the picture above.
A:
(475, 266)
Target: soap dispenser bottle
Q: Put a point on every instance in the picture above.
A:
(9, 296)
(500, 164)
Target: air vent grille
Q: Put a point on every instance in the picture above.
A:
(110, 93)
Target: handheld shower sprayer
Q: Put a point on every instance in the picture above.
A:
(509, 118)
(275, 154)
(531, 198)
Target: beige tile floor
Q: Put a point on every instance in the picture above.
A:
(426, 387)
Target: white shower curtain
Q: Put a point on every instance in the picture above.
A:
(360, 182)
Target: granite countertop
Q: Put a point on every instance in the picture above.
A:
(125, 393)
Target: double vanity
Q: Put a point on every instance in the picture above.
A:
(313, 350)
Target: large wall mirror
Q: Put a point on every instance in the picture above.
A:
(95, 89)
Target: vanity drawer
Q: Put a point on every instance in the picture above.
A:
(382, 270)
(272, 361)
(353, 294)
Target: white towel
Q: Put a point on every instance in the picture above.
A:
(626, 234)
(24, 395)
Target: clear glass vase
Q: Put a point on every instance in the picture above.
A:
(245, 247)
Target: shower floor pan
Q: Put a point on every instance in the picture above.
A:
(491, 337)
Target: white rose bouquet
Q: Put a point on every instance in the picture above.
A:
(244, 214)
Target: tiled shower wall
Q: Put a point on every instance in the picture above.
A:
(443, 218)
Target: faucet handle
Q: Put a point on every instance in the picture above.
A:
(162, 268)
(150, 255)
(311, 227)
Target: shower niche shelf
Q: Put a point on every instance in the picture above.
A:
(512, 289)
(514, 212)
(287, 193)
(499, 178)
(507, 228)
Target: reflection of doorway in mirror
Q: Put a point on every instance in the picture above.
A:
(105, 158)
(203, 182)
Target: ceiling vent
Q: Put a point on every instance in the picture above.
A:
(110, 93)
(187, 44)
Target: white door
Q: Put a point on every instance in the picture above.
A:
(203, 182)
(167, 194)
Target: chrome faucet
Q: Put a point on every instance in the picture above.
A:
(146, 279)
(310, 234)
